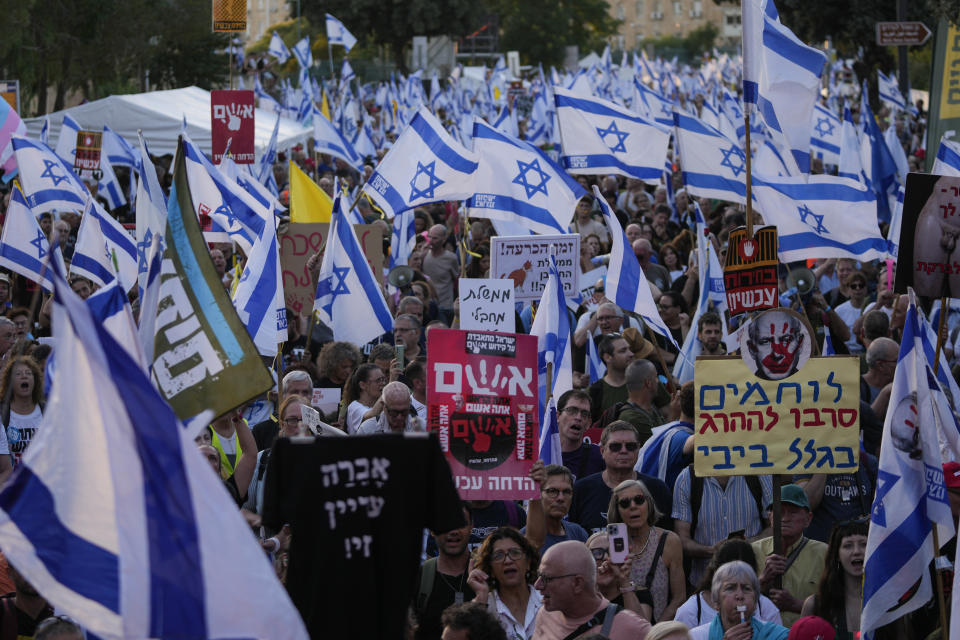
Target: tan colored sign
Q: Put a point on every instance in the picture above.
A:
(229, 16)
(303, 239)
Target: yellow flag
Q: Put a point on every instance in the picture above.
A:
(325, 107)
(308, 202)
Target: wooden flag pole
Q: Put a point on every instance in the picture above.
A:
(941, 600)
(746, 122)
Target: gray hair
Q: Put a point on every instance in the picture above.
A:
(7, 322)
(611, 305)
(880, 349)
(734, 570)
(295, 376)
(638, 372)
(412, 318)
(613, 509)
(395, 388)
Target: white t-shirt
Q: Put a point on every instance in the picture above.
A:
(849, 314)
(20, 432)
(355, 416)
(420, 408)
(687, 612)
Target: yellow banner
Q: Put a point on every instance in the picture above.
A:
(807, 423)
(950, 92)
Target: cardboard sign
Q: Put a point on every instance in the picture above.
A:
(929, 255)
(232, 125)
(88, 150)
(487, 304)
(303, 239)
(10, 91)
(750, 275)
(229, 16)
(311, 418)
(749, 426)
(588, 283)
(326, 400)
(526, 261)
(482, 402)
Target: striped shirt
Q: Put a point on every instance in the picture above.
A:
(721, 511)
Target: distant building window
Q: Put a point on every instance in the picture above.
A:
(620, 12)
(733, 19)
(639, 8)
(677, 8)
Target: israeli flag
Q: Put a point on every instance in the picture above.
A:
(346, 72)
(550, 450)
(879, 165)
(338, 34)
(364, 144)
(113, 247)
(781, 78)
(821, 217)
(348, 299)
(265, 100)
(713, 165)
(403, 238)
(602, 137)
(896, 223)
(150, 300)
(110, 306)
(23, 247)
(278, 48)
(825, 135)
(112, 507)
(151, 214)
(424, 165)
(67, 140)
(947, 162)
(518, 182)
(269, 157)
(597, 367)
(303, 53)
(328, 139)
(889, 91)
(506, 122)
(897, 153)
(910, 495)
(44, 132)
(119, 152)
(552, 328)
(109, 187)
(626, 285)
(651, 105)
(49, 183)
(850, 164)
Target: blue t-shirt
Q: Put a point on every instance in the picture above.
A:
(588, 457)
(591, 497)
(573, 532)
(650, 453)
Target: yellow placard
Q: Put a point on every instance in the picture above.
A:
(229, 16)
(950, 93)
(10, 97)
(807, 423)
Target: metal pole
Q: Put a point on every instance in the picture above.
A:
(941, 600)
(902, 65)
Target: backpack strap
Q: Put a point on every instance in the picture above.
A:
(604, 618)
(262, 467)
(608, 616)
(648, 580)
(696, 499)
(428, 574)
(795, 554)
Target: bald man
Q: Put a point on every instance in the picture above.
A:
(567, 580)
(655, 273)
(443, 269)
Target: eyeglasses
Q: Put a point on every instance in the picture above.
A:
(515, 553)
(573, 412)
(607, 318)
(617, 446)
(403, 329)
(639, 500)
(857, 285)
(377, 380)
(396, 413)
(599, 553)
(553, 492)
(292, 422)
(548, 579)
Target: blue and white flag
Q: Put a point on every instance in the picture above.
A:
(850, 164)
(111, 308)
(626, 285)
(889, 91)
(651, 104)
(66, 147)
(264, 171)
(597, 367)
(896, 223)
(45, 130)
(947, 162)
(713, 165)
(781, 78)
(346, 72)
(518, 182)
(403, 239)
(822, 217)
(151, 215)
(48, 182)
(550, 450)
(118, 242)
(338, 34)
(328, 139)
(825, 135)
(879, 165)
(828, 348)
(118, 151)
(265, 100)
(551, 325)
(278, 48)
(92, 257)
(109, 187)
(897, 153)
(602, 137)
(910, 495)
(348, 299)
(303, 53)
(112, 507)
(23, 247)
(424, 165)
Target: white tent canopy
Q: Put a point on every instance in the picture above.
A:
(160, 114)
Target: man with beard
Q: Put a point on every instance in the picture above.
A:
(443, 580)
(710, 334)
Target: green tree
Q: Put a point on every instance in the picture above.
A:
(542, 29)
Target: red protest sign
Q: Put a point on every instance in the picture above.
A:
(88, 150)
(232, 123)
(750, 274)
(482, 401)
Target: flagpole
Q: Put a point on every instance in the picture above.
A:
(746, 122)
(333, 76)
(941, 599)
(663, 363)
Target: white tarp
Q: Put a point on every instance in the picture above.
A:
(159, 114)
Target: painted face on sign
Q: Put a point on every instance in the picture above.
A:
(775, 341)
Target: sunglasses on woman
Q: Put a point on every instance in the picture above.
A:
(639, 499)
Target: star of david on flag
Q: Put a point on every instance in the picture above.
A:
(825, 135)
(518, 183)
(48, 182)
(600, 136)
(709, 168)
(735, 160)
(820, 217)
(338, 34)
(348, 298)
(23, 247)
(424, 165)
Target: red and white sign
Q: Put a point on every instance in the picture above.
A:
(482, 401)
(902, 33)
(232, 125)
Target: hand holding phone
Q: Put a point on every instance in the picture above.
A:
(619, 544)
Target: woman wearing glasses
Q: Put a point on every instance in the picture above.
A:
(657, 553)
(613, 580)
(853, 308)
(505, 570)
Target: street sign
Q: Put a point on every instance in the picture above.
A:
(891, 34)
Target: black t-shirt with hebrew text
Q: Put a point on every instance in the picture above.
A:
(357, 508)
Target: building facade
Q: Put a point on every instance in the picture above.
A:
(642, 20)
